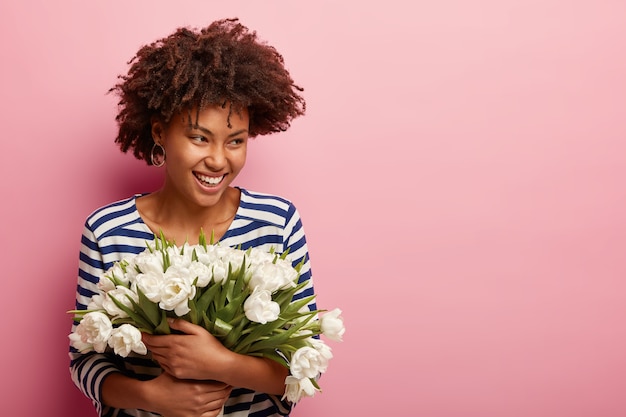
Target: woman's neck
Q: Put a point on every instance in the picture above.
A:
(181, 221)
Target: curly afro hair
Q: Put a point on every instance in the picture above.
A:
(222, 63)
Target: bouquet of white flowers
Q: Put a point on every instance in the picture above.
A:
(243, 298)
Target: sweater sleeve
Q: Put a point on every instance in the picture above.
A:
(295, 242)
(89, 370)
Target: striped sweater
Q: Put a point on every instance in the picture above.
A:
(117, 231)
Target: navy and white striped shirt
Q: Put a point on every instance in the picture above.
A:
(117, 231)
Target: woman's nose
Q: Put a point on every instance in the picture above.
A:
(215, 158)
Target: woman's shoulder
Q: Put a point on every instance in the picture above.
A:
(115, 206)
(116, 212)
(260, 198)
(265, 206)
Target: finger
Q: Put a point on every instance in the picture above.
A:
(147, 339)
(218, 386)
(154, 341)
(184, 326)
(157, 356)
(166, 368)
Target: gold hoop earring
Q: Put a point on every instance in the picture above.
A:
(157, 155)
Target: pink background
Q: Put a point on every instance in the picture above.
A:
(461, 182)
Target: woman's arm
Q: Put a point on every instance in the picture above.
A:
(165, 395)
(198, 355)
(90, 369)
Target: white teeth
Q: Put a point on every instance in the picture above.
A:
(210, 180)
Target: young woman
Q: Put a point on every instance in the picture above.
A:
(190, 102)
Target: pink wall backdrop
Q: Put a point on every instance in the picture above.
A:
(462, 186)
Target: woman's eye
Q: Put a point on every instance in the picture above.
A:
(238, 141)
(198, 138)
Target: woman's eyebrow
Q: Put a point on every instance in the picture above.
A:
(208, 132)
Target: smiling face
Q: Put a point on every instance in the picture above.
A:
(203, 154)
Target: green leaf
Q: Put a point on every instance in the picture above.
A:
(227, 287)
(127, 320)
(166, 259)
(202, 239)
(137, 318)
(298, 304)
(222, 328)
(208, 295)
(150, 247)
(81, 312)
(299, 264)
(208, 324)
(285, 297)
(273, 356)
(278, 339)
(259, 331)
(240, 278)
(164, 326)
(150, 309)
(232, 309)
(283, 255)
(138, 310)
(236, 294)
(315, 384)
(232, 338)
(193, 312)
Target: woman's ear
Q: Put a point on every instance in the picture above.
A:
(157, 128)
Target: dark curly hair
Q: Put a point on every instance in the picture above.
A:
(222, 63)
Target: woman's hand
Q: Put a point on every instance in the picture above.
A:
(196, 354)
(173, 397)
